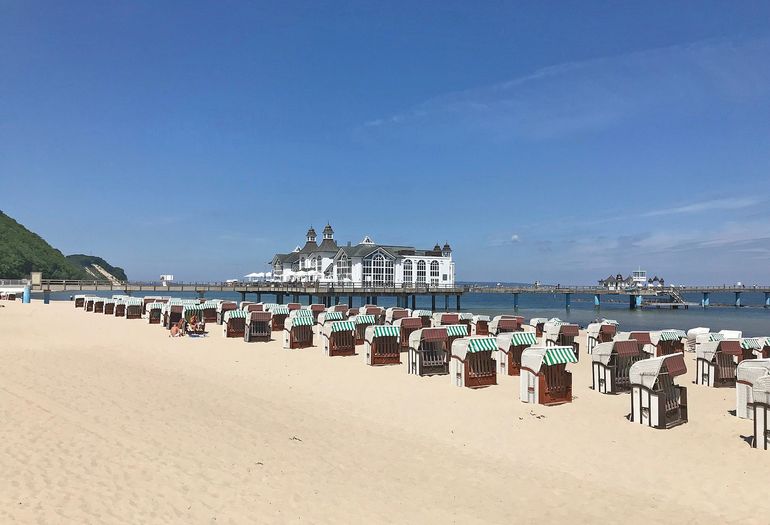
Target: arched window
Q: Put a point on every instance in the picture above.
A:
(408, 276)
(434, 272)
(421, 272)
(343, 268)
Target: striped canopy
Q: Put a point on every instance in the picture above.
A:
(155, 306)
(109, 301)
(422, 313)
(386, 331)
(234, 314)
(191, 308)
(753, 343)
(303, 313)
(466, 316)
(457, 330)
(671, 335)
(133, 301)
(268, 307)
(523, 338)
(333, 316)
(716, 337)
(343, 326)
(555, 355)
(365, 319)
(482, 344)
(303, 321)
(280, 310)
(210, 304)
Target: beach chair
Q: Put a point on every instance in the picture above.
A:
(656, 401)
(510, 346)
(209, 311)
(538, 323)
(172, 314)
(197, 329)
(381, 345)
(109, 307)
(545, 379)
(406, 326)
(340, 338)
(222, 308)
(692, 335)
(317, 310)
(298, 330)
(376, 311)
(472, 363)
(257, 326)
(98, 305)
(502, 324)
(428, 351)
(761, 408)
(465, 318)
(134, 308)
(746, 374)
(154, 313)
(234, 323)
(611, 364)
(294, 306)
(559, 333)
(716, 363)
(280, 314)
(480, 325)
(243, 304)
(600, 332)
(120, 308)
(324, 319)
(253, 307)
(342, 308)
(426, 316)
(667, 342)
(393, 314)
(454, 332)
(445, 319)
(362, 321)
(145, 301)
(79, 301)
(755, 347)
(89, 304)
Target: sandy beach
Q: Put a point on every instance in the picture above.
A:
(106, 420)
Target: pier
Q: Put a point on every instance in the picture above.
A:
(405, 296)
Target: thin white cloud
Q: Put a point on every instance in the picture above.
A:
(595, 94)
(732, 203)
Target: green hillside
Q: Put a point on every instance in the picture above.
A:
(23, 252)
(87, 261)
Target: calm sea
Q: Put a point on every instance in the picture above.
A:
(752, 319)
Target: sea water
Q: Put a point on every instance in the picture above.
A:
(751, 318)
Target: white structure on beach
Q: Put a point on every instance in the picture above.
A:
(366, 263)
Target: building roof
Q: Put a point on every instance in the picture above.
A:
(362, 250)
(328, 245)
(310, 246)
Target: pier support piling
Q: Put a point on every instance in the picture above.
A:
(243, 297)
(350, 301)
(458, 302)
(515, 301)
(414, 302)
(46, 297)
(446, 302)
(433, 302)
(567, 300)
(706, 300)
(737, 299)
(259, 297)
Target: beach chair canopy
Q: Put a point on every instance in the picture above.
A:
(375, 331)
(509, 339)
(112, 301)
(243, 304)
(750, 370)
(279, 310)
(153, 306)
(694, 332)
(365, 319)
(646, 371)
(602, 353)
(133, 301)
(192, 309)
(594, 329)
(446, 318)
(761, 390)
(291, 322)
(340, 308)
(373, 310)
(731, 334)
(408, 322)
(753, 343)
(466, 345)
(456, 330)
(427, 334)
(301, 313)
(325, 317)
(268, 307)
(480, 318)
(422, 313)
(535, 357)
(339, 326)
(391, 314)
(228, 304)
(79, 297)
(666, 335)
(537, 320)
(709, 349)
(233, 314)
(317, 307)
(465, 316)
(552, 330)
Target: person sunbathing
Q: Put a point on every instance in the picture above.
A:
(177, 330)
(195, 325)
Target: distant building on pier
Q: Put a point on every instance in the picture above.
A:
(366, 263)
(637, 279)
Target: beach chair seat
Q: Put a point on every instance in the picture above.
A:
(280, 314)
(340, 338)
(656, 401)
(545, 379)
(258, 327)
(717, 362)
(298, 331)
(428, 352)
(472, 363)
(381, 345)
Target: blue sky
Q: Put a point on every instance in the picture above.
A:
(559, 141)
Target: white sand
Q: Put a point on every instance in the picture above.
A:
(106, 420)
